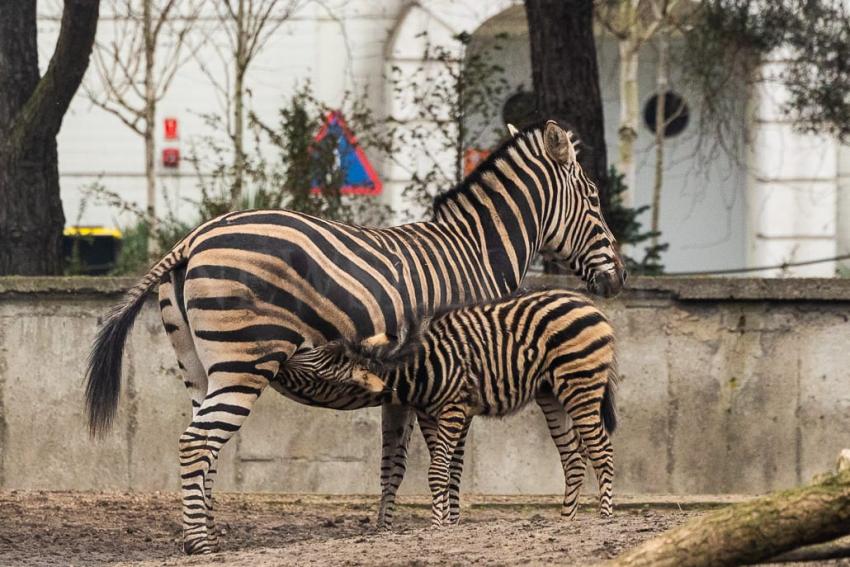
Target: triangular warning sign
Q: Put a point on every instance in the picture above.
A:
(359, 177)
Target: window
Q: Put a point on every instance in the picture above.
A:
(676, 114)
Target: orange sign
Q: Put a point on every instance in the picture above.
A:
(472, 158)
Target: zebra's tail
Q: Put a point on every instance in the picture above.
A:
(609, 402)
(103, 375)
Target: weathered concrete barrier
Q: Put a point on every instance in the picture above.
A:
(727, 386)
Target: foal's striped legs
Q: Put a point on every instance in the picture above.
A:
(581, 399)
(430, 432)
(396, 426)
(455, 472)
(442, 436)
(569, 447)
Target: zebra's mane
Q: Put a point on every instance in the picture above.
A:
(489, 164)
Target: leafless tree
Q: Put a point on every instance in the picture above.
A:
(246, 26)
(136, 66)
(634, 23)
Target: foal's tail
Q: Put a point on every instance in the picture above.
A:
(609, 403)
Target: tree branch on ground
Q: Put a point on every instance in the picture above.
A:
(754, 531)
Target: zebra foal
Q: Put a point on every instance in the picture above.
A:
(491, 359)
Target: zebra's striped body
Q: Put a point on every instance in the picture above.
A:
(244, 292)
(492, 359)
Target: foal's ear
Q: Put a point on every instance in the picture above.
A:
(512, 130)
(558, 143)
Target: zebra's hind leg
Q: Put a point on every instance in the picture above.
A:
(229, 400)
(193, 374)
(582, 402)
(569, 448)
(396, 426)
(450, 425)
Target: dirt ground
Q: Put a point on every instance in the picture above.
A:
(61, 528)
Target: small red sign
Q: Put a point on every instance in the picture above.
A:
(472, 158)
(171, 157)
(170, 128)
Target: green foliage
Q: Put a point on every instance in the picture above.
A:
(628, 230)
(279, 172)
(135, 257)
(729, 39)
(286, 163)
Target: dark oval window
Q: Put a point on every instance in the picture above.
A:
(519, 109)
(676, 114)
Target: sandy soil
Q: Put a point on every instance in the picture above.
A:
(50, 528)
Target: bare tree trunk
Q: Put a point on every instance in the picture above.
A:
(239, 108)
(753, 531)
(629, 117)
(150, 124)
(566, 77)
(661, 83)
(31, 112)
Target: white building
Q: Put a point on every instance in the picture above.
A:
(785, 198)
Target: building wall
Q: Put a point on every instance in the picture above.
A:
(727, 386)
(782, 201)
(337, 46)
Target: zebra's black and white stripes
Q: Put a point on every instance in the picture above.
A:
(246, 291)
(492, 359)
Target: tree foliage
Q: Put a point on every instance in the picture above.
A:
(728, 41)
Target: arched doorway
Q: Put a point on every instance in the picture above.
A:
(703, 209)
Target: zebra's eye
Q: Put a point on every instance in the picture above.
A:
(594, 200)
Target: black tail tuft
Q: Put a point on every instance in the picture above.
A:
(103, 377)
(609, 403)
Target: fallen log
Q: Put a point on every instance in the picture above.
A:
(754, 531)
(838, 549)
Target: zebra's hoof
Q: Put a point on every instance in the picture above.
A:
(197, 547)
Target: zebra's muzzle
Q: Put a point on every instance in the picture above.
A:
(608, 283)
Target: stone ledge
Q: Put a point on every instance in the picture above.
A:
(721, 289)
(678, 288)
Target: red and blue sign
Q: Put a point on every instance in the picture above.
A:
(359, 177)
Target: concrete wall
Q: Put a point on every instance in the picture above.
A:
(728, 386)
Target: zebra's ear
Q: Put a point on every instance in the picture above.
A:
(558, 143)
(512, 130)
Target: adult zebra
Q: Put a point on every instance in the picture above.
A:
(245, 291)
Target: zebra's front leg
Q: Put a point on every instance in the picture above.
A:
(430, 433)
(396, 426)
(455, 472)
(228, 402)
(569, 448)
